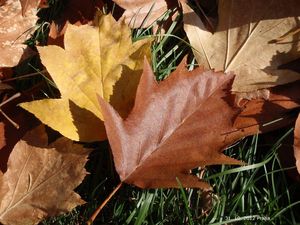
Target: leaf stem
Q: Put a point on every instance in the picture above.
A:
(3, 113)
(24, 76)
(98, 210)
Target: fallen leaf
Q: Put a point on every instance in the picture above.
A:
(96, 60)
(14, 30)
(262, 93)
(297, 143)
(144, 13)
(175, 126)
(243, 41)
(259, 116)
(41, 179)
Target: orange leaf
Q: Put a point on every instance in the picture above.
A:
(175, 126)
(259, 116)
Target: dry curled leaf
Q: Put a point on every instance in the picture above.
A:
(260, 115)
(262, 93)
(14, 30)
(144, 13)
(175, 126)
(40, 179)
(243, 41)
(96, 60)
(297, 143)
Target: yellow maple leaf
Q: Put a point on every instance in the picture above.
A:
(96, 60)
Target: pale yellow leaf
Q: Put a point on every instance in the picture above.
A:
(62, 111)
(97, 60)
(243, 42)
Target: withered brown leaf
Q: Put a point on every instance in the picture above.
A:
(175, 126)
(143, 13)
(14, 30)
(40, 179)
(244, 41)
(260, 115)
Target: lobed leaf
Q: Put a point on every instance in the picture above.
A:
(244, 41)
(40, 179)
(175, 126)
(96, 60)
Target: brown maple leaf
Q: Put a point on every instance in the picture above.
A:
(40, 179)
(175, 126)
(297, 143)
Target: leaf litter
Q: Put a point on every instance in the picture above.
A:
(149, 124)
